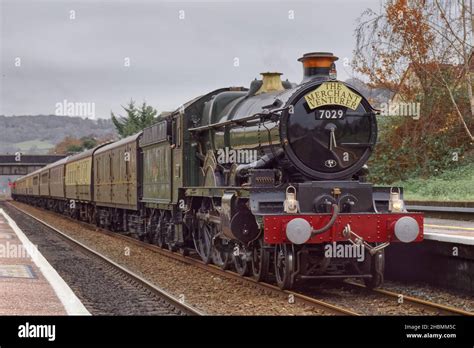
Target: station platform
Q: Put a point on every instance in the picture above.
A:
(29, 285)
(444, 258)
(449, 231)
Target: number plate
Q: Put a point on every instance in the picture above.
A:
(330, 114)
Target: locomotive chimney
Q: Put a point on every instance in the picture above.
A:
(270, 82)
(317, 64)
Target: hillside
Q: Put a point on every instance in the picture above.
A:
(38, 134)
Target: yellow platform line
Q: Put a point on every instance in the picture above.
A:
(451, 227)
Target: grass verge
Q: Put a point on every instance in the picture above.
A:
(451, 185)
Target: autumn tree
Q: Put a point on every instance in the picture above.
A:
(136, 119)
(66, 145)
(431, 41)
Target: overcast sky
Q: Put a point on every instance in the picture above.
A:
(48, 57)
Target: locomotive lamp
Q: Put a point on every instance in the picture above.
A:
(333, 72)
(291, 205)
(395, 203)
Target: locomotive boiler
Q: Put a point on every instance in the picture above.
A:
(270, 180)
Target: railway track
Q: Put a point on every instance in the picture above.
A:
(433, 307)
(295, 296)
(170, 304)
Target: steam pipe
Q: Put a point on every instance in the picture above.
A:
(263, 162)
(331, 222)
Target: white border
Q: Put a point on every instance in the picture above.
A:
(69, 300)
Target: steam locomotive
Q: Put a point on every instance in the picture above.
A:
(269, 179)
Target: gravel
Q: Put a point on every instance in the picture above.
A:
(427, 292)
(363, 301)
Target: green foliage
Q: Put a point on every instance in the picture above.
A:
(73, 145)
(88, 142)
(451, 185)
(400, 156)
(74, 148)
(136, 119)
